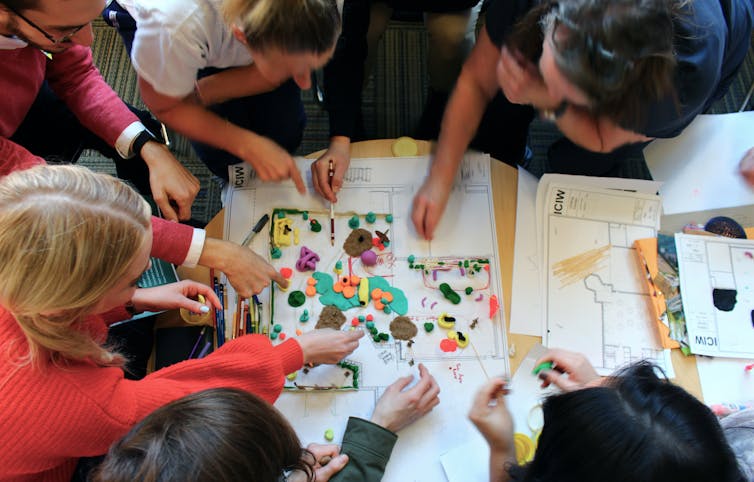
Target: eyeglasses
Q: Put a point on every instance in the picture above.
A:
(64, 39)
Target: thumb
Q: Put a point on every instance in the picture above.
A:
(333, 467)
(167, 210)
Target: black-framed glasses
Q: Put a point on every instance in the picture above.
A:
(64, 39)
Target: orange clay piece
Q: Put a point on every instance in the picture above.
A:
(286, 272)
(344, 280)
(299, 332)
(337, 287)
(349, 291)
(355, 280)
(311, 281)
(376, 294)
(310, 291)
(388, 296)
(379, 305)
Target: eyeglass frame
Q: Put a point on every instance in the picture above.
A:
(65, 38)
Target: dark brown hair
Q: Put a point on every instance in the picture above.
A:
(219, 434)
(620, 53)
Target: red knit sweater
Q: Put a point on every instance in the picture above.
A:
(51, 417)
(74, 79)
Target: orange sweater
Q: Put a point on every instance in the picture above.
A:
(51, 417)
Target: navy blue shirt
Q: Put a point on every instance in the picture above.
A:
(712, 40)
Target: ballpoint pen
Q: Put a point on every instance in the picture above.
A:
(330, 175)
(257, 227)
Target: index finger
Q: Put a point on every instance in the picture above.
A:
(184, 210)
(297, 179)
(167, 210)
(418, 214)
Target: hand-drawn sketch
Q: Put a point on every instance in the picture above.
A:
(717, 279)
(436, 303)
(596, 300)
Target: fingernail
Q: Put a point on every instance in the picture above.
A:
(204, 309)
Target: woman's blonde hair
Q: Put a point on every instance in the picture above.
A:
(67, 236)
(294, 26)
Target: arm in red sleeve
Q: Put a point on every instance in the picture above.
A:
(74, 78)
(171, 241)
(14, 157)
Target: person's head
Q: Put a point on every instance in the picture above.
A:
(216, 435)
(73, 243)
(634, 427)
(51, 25)
(287, 38)
(612, 57)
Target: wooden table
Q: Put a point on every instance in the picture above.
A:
(504, 184)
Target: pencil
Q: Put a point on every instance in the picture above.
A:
(330, 176)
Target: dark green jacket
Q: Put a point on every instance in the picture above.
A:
(368, 447)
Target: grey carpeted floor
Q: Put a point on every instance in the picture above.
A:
(392, 105)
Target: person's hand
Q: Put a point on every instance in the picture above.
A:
(340, 154)
(746, 167)
(328, 345)
(173, 186)
(521, 81)
(171, 296)
(247, 272)
(490, 415)
(429, 204)
(579, 371)
(270, 161)
(328, 461)
(398, 408)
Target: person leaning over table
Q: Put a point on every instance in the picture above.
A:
(450, 28)
(55, 103)
(611, 74)
(228, 74)
(74, 79)
(221, 435)
(624, 428)
(73, 245)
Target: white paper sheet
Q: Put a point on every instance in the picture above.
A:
(699, 169)
(726, 381)
(603, 312)
(469, 462)
(713, 267)
(526, 296)
(467, 229)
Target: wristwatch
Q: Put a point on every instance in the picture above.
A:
(141, 139)
(553, 115)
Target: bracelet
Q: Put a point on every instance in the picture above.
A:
(553, 115)
(141, 139)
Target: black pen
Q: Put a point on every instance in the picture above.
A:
(257, 227)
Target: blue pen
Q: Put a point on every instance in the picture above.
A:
(220, 314)
(196, 345)
(205, 350)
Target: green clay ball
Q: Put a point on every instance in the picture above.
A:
(428, 327)
(389, 218)
(296, 299)
(353, 223)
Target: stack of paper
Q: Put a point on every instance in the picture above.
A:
(576, 266)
